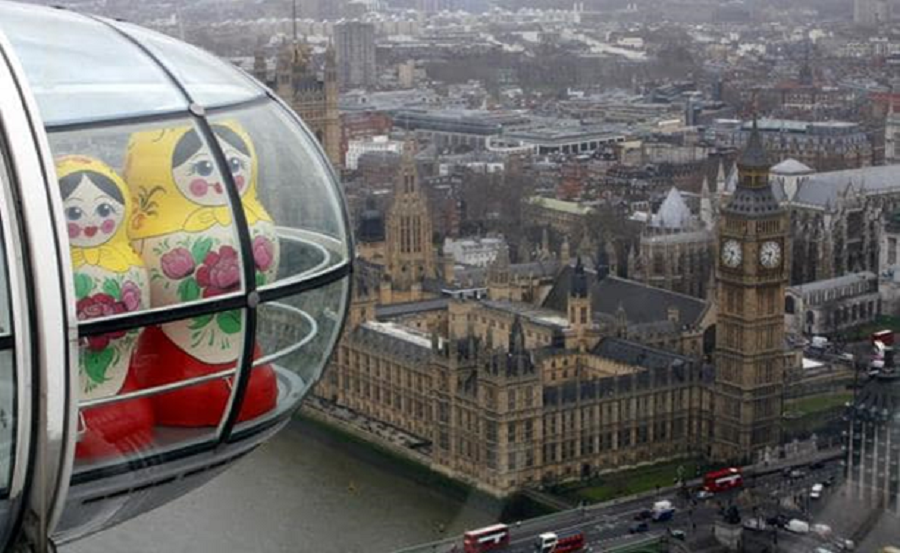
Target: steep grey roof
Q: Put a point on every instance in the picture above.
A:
(791, 166)
(410, 308)
(754, 154)
(642, 304)
(754, 202)
(638, 355)
(536, 315)
(822, 189)
(732, 179)
(390, 343)
(673, 213)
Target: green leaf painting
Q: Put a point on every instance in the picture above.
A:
(189, 290)
(96, 363)
(111, 287)
(84, 285)
(229, 322)
(199, 322)
(200, 248)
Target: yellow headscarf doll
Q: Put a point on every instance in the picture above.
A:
(174, 177)
(96, 216)
(183, 229)
(110, 279)
(109, 275)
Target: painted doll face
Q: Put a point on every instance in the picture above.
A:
(93, 213)
(240, 165)
(196, 175)
(199, 180)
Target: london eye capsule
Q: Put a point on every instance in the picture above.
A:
(174, 270)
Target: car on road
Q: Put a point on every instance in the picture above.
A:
(817, 465)
(777, 520)
(703, 495)
(816, 491)
(662, 511)
(797, 526)
(828, 482)
(796, 473)
(755, 524)
(638, 528)
(677, 534)
(646, 514)
(843, 544)
(823, 550)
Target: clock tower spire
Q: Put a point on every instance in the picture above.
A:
(752, 272)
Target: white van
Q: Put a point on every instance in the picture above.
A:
(816, 491)
(797, 526)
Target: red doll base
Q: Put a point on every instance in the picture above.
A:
(116, 429)
(157, 361)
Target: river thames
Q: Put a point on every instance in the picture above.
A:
(302, 491)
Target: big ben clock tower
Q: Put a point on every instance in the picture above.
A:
(752, 272)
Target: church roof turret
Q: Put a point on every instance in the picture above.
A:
(754, 155)
(578, 287)
(753, 196)
(673, 213)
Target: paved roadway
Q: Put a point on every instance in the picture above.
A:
(607, 526)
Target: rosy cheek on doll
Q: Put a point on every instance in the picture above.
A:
(108, 226)
(239, 182)
(199, 187)
(74, 230)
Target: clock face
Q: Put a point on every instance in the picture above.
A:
(770, 254)
(731, 253)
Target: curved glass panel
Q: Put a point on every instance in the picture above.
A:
(297, 197)
(149, 227)
(81, 70)
(148, 217)
(209, 80)
(295, 336)
(298, 332)
(169, 397)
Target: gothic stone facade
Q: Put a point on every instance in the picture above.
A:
(838, 220)
(314, 99)
(504, 419)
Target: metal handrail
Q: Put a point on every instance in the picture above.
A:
(285, 233)
(290, 234)
(173, 386)
(314, 330)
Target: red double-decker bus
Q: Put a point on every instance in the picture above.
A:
(566, 542)
(569, 543)
(886, 337)
(486, 539)
(722, 480)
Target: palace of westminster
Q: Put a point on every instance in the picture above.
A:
(558, 370)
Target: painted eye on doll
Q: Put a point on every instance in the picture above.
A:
(105, 210)
(74, 213)
(203, 168)
(236, 165)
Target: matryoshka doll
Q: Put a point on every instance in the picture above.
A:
(110, 279)
(184, 231)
